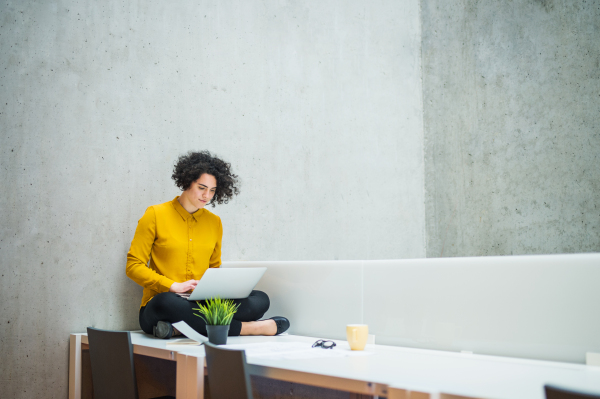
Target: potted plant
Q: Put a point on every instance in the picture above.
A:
(217, 313)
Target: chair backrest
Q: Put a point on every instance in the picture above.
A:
(228, 376)
(111, 356)
(553, 392)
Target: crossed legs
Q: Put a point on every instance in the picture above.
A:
(170, 307)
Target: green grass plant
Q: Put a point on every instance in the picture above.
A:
(217, 311)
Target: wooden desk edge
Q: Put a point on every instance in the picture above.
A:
(319, 380)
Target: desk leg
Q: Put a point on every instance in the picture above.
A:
(190, 377)
(75, 367)
(195, 377)
(180, 391)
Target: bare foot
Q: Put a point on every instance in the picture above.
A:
(261, 327)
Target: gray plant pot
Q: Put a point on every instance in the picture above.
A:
(217, 334)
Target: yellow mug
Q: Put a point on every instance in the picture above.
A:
(357, 335)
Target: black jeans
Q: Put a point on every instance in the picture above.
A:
(168, 306)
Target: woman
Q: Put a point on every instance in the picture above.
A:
(182, 240)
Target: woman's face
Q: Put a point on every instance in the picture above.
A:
(201, 191)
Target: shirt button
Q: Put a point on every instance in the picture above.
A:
(190, 239)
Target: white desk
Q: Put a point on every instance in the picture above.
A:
(389, 371)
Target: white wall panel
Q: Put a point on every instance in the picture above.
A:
(319, 298)
(541, 307)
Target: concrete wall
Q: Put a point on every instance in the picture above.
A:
(511, 94)
(316, 104)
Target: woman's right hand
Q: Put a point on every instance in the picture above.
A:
(183, 287)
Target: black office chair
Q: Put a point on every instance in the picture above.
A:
(554, 392)
(228, 376)
(113, 373)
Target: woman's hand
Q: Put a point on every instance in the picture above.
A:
(183, 287)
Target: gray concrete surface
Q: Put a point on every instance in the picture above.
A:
(317, 105)
(511, 94)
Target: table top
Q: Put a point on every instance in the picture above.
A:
(490, 377)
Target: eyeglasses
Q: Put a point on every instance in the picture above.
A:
(324, 344)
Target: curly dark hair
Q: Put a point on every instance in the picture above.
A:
(191, 166)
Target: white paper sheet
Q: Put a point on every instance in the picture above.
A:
(189, 332)
(293, 350)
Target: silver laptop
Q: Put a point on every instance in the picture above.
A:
(229, 282)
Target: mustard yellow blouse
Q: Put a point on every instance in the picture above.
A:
(180, 246)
